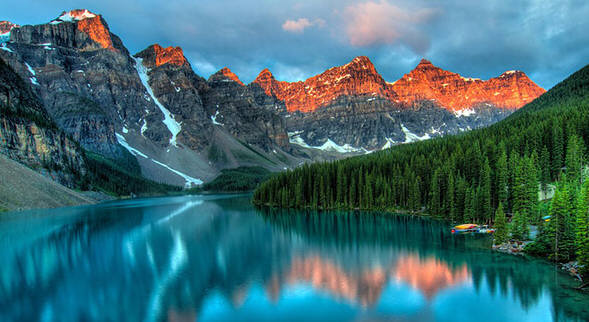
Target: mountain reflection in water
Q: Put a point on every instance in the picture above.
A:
(218, 258)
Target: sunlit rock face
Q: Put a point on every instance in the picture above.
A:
(155, 56)
(225, 74)
(359, 77)
(511, 90)
(352, 108)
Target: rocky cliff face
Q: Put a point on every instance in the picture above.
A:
(359, 77)
(28, 135)
(234, 107)
(511, 90)
(177, 88)
(351, 108)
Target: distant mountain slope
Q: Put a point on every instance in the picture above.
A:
(23, 188)
(461, 177)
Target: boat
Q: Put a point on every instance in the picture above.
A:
(472, 228)
(465, 228)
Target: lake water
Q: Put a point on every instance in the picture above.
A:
(216, 258)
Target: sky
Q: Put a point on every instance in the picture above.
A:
(297, 39)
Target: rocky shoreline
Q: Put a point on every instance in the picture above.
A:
(516, 247)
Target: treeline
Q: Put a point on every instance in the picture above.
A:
(462, 178)
(239, 179)
(119, 177)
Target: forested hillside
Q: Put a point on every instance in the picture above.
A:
(460, 177)
(463, 178)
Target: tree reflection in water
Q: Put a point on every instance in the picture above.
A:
(217, 258)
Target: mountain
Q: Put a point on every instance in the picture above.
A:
(462, 178)
(511, 90)
(183, 129)
(150, 104)
(352, 108)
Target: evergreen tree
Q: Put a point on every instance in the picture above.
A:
(502, 176)
(582, 229)
(574, 158)
(469, 205)
(559, 232)
(557, 147)
(501, 231)
(519, 227)
(435, 195)
(485, 191)
(544, 169)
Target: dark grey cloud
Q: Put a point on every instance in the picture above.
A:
(299, 38)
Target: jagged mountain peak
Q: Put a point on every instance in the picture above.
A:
(226, 74)
(424, 63)
(512, 89)
(359, 63)
(265, 74)
(155, 56)
(75, 15)
(90, 23)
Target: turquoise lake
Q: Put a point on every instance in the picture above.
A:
(217, 258)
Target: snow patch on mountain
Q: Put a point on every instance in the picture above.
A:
(214, 119)
(329, 145)
(132, 150)
(5, 48)
(173, 126)
(190, 181)
(390, 143)
(412, 137)
(32, 71)
(464, 112)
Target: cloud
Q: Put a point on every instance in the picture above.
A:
(299, 25)
(380, 23)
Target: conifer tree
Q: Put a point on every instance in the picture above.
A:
(582, 229)
(485, 192)
(501, 231)
(519, 227)
(557, 148)
(435, 196)
(502, 176)
(544, 169)
(560, 235)
(574, 158)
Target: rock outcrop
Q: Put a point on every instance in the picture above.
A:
(351, 108)
(29, 136)
(511, 90)
(359, 77)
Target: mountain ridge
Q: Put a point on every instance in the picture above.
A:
(183, 128)
(434, 83)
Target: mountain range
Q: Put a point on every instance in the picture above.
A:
(183, 129)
